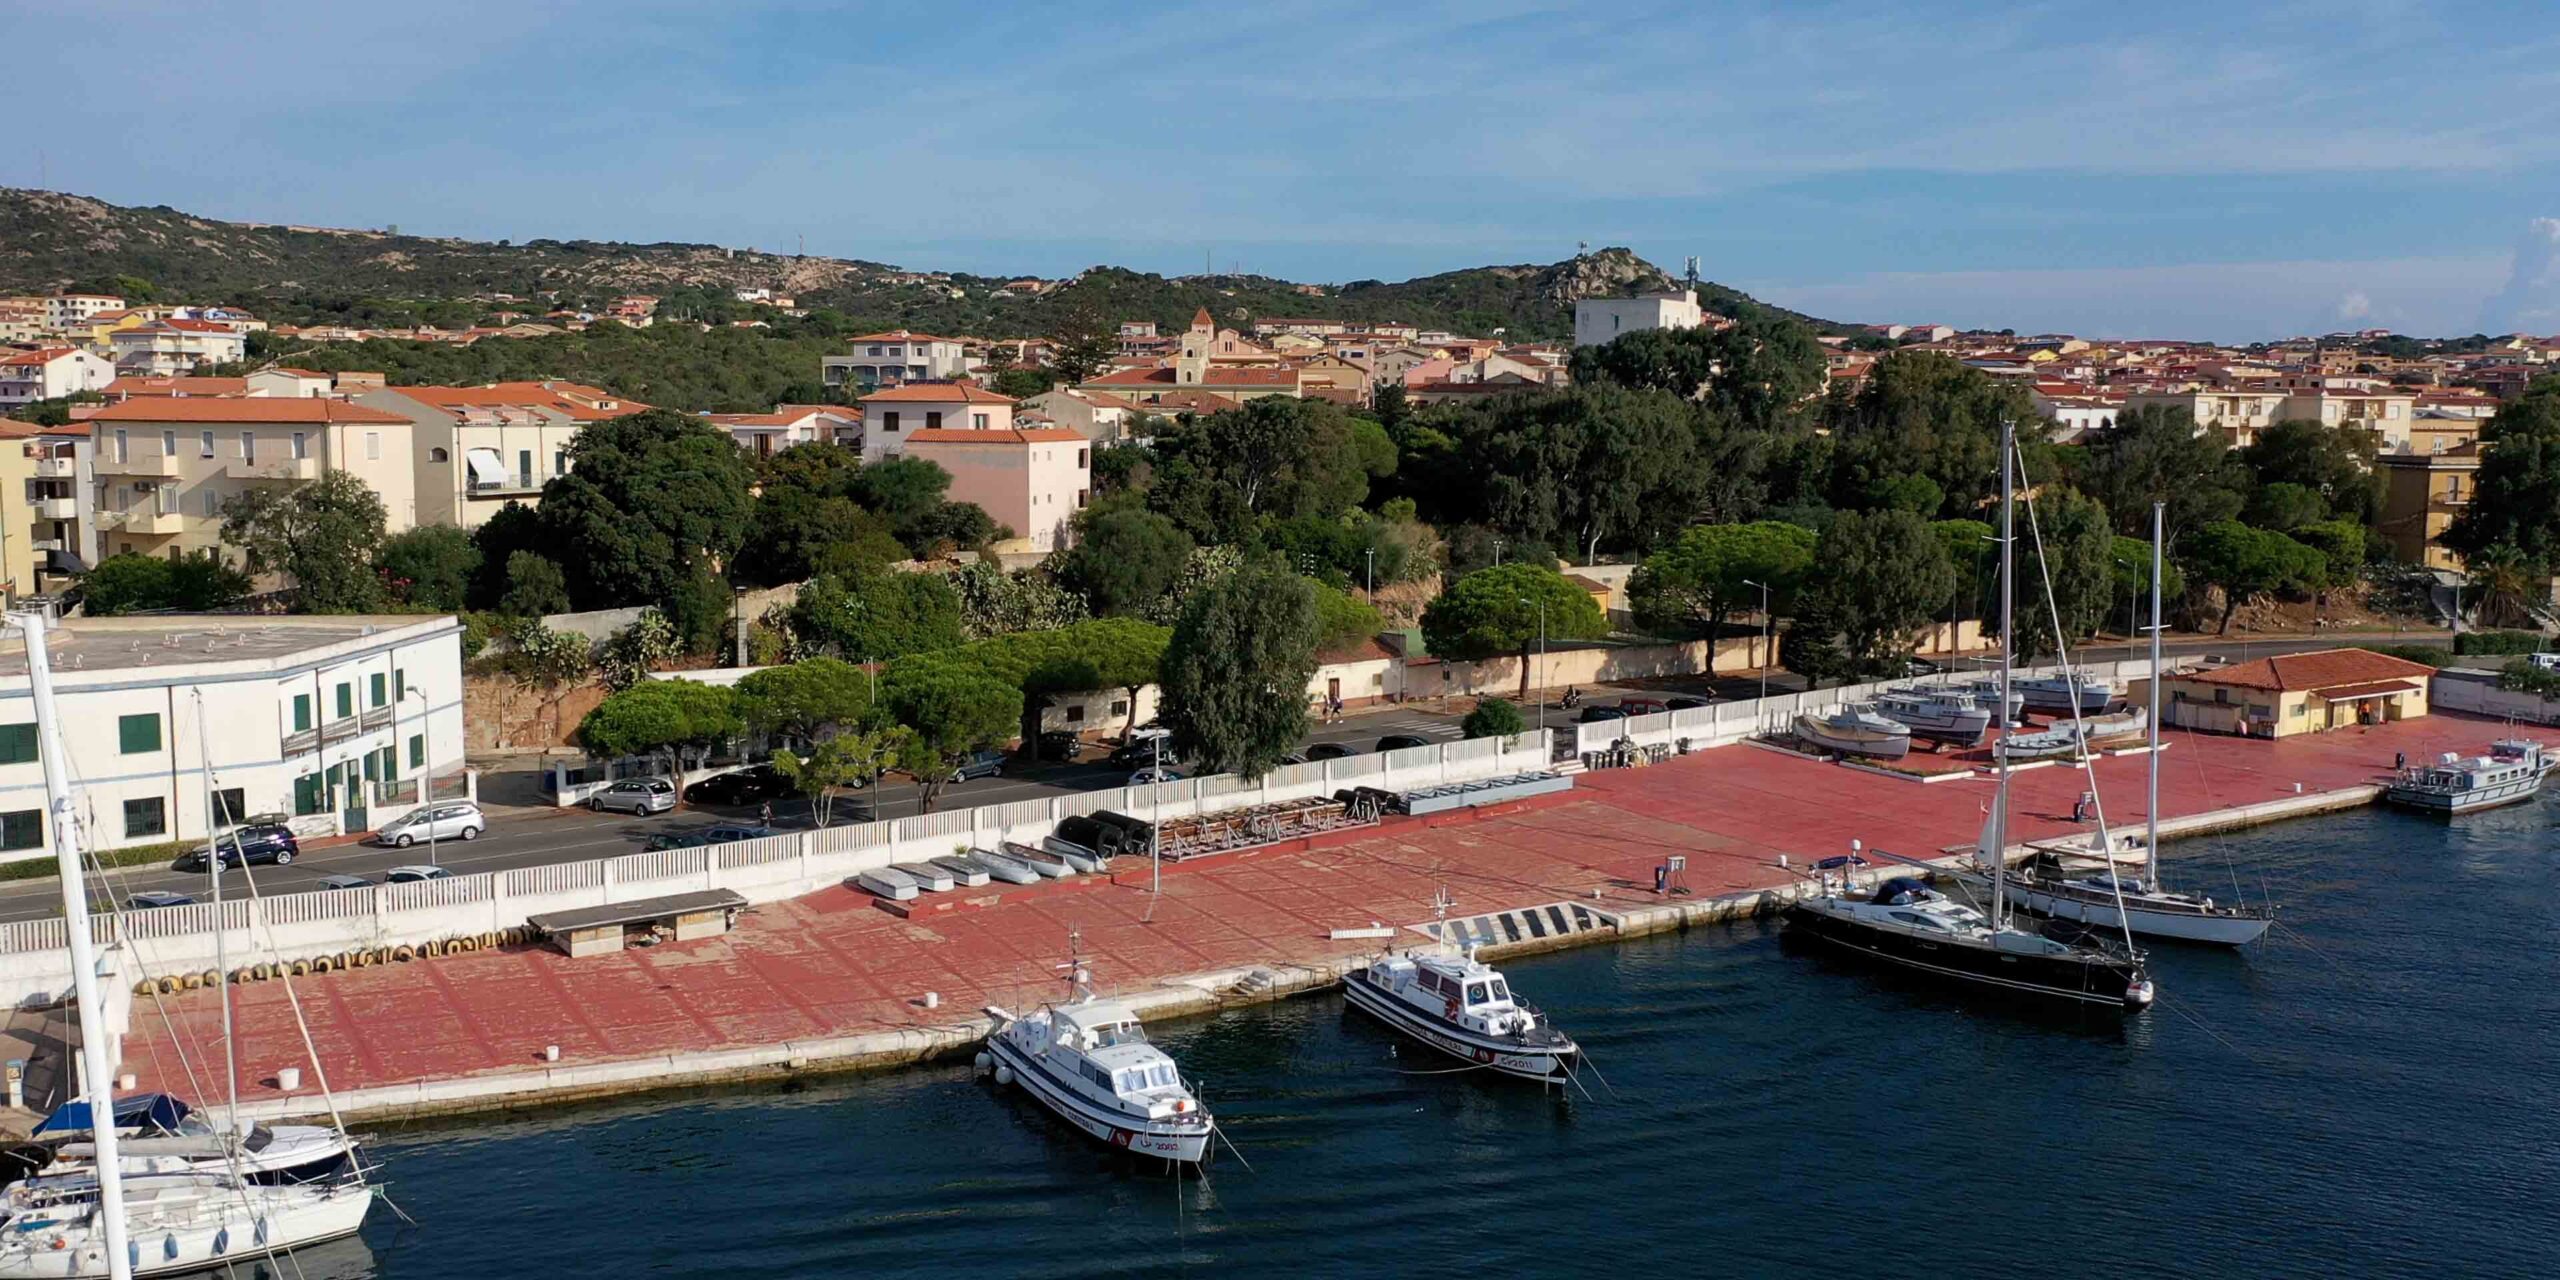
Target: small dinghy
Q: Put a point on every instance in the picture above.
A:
(929, 877)
(966, 872)
(1009, 870)
(895, 885)
(1856, 730)
(2069, 738)
(1084, 859)
(1089, 1062)
(1040, 860)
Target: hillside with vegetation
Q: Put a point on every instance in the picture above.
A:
(297, 274)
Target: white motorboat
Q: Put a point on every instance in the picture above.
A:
(2068, 691)
(2110, 899)
(174, 1222)
(2512, 771)
(1986, 692)
(1937, 714)
(1463, 1008)
(1089, 1062)
(1856, 730)
(159, 1133)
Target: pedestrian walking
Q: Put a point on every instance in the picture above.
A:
(764, 815)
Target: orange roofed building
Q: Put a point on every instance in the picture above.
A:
(1030, 479)
(2298, 693)
(475, 449)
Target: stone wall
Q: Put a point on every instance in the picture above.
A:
(501, 713)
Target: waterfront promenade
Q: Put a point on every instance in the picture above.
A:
(827, 979)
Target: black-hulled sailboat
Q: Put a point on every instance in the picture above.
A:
(1907, 924)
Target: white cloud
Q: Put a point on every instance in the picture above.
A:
(2530, 300)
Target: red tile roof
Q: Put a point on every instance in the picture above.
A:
(38, 357)
(189, 385)
(902, 335)
(937, 393)
(2327, 669)
(1214, 376)
(1018, 435)
(568, 399)
(311, 409)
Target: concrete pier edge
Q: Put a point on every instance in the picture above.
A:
(557, 1083)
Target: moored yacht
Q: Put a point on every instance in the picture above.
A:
(160, 1133)
(1906, 923)
(173, 1222)
(1089, 1062)
(2512, 771)
(1463, 1008)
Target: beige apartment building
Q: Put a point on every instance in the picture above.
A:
(166, 465)
(475, 449)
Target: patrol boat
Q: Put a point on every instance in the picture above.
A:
(2512, 771)
(1089, 1062)
(1463, 1008)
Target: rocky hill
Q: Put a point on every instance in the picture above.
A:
(50, 240)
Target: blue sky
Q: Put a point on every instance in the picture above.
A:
(2221, 170)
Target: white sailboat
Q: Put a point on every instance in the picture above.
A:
(107, 1220)
(2110, 899)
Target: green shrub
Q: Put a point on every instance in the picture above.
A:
(2426, 653)
(1493, 718)
(2521, 676)
(137, 856)
(2499, 642)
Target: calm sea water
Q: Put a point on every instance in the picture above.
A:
(2371, 1093)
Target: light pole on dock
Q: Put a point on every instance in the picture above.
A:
(1768, 636)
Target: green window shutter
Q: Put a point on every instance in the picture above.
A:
(417, 751)
(138, 734)
(23, 829)
(144, 818)
(301, 712)
(346, 700)
(17, 744)
(380, 683)
(399, 685)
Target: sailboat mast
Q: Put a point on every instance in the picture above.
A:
(95, 1061)
(221, 931)
(2151, 801)
(2008, 649)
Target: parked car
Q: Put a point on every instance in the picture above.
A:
(1686, 704)
(1149, 777)
(255, 846)
(345, 882)
(756, 782)
(1330, 751)
(676, 840)
(414, 874)
(1294, 757)
(1059, 744)
(2544, 661)
(1146, 748)
(1400, 742)
(451, 820)
(1642, 706)
(150, 898)
(984, 763)
(1593, 715)
(1920, 667)
(731, 832)
(642, 796)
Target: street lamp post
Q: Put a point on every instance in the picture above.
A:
(1768, 636)
(1372, 554)
(426, 761)
(738, 610)
(1542, 660)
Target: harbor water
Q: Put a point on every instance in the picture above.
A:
(2369, 1093)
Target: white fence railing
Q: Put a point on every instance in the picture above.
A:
(1729, 722)
(171, 941)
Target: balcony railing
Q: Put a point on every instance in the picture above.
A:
(286, 469)
(518, 483)
(376, 717)
(57, 468)
(146, 464)
(144, 520)
(58, 508)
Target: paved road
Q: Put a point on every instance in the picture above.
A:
(522, 838)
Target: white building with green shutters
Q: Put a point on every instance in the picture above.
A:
(334, 724)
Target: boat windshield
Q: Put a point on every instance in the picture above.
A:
(1476, 993)
(1119, 1033)
(1133, 1080)
(1501, 990)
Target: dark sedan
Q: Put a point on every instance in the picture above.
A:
(746, 786)
(255, 846)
